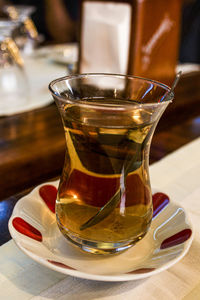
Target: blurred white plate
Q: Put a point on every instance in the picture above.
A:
(63, 53)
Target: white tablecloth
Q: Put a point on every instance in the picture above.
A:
(179, 176)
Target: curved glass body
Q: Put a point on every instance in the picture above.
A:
(104, 202)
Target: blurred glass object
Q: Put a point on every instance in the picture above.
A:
(14, 89)
(27, 36)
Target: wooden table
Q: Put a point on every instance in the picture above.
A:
(32, 144)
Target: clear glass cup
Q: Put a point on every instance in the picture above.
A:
(14, 90)
(104, 202)
(26, 36)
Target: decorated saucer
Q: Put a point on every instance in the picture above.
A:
(34, 229)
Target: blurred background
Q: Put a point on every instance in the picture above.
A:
(152, 39)
(58, 21)
(41, 40)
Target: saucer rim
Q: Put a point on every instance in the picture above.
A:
(96, 277)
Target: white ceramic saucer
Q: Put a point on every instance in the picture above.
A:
(33, 227)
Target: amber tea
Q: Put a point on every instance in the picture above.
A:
(104, 157)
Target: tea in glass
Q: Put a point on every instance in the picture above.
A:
(104, 202)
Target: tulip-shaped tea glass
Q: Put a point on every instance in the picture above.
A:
(104, 202)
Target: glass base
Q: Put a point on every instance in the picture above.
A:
(100, 248)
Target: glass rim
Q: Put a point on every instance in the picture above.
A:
(168, 96)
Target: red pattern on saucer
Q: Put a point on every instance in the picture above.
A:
(25, 228)
(176, 239)
(59, 264)
(160, 201)
(141, 271)
(48, 193)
